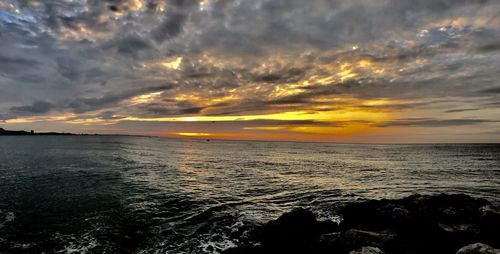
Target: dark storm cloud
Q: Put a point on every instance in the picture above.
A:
(7, 63)
(36, 108)
(170, 28)
(493, 90)
(129, 46)
(487, 48)
(157, 109)
(174, 22)
(82, 105)
(291, 75)
(68, 68)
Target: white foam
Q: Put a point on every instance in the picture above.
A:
(10, 216)
(83, 245)
(217, 247)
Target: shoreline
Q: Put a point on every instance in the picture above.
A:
(445, 223)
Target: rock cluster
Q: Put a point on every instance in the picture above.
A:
(417, 224)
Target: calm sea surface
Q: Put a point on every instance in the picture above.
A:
(97, 194)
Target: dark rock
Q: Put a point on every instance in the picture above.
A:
(295, 231)
(461, 232)
(416, 224)
(443, 221)
(329, 243)
(367, 250)
(489, 221)
(415, 211)
(478, 248)
(354, 239)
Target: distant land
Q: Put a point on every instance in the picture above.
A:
(4, 132)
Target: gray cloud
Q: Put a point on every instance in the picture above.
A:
(130, 45)
(493, 90)
(461, 110)
(170, 28)
(82, 105)
(8, 64)
(36, 108)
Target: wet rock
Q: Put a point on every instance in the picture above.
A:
(416, 224)
(294, 231)
(489, 221)
(489, 213)
(330, 242)
(367, 250)
(411, 213)
(354, 239)
(445, 222)
(478, 248)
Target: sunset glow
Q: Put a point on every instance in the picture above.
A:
(191, 134)
(239, 70)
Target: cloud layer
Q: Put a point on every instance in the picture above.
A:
(103, 63)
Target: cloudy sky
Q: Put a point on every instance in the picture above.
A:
(315, 70)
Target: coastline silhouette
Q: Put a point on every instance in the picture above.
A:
(4, 132)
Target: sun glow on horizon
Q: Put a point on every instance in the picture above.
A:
(192, 134)
(349, 120)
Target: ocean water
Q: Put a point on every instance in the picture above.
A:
(105, 194)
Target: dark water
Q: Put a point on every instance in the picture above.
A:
(158, 195)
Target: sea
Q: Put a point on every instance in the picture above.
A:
(125, 194)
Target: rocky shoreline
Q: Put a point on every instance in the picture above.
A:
(417, 224)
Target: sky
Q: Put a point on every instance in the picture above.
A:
(361, 71)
